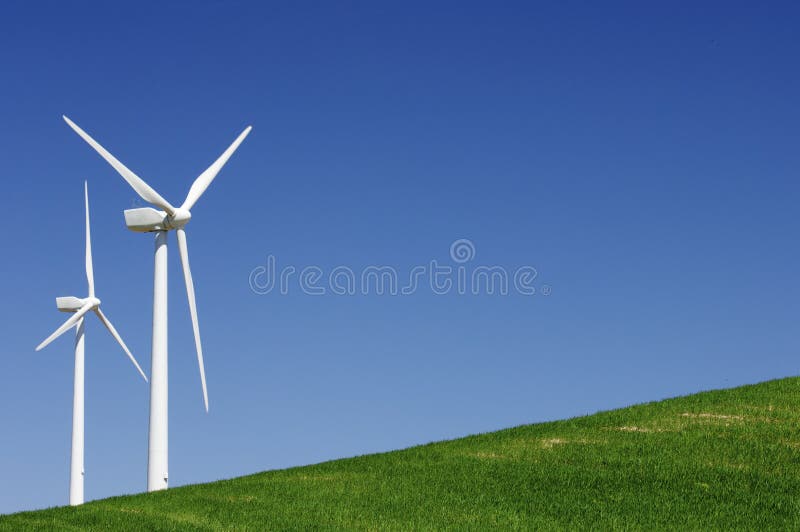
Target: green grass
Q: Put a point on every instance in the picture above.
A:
(725, 459)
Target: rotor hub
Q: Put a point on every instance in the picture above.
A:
(180, 218)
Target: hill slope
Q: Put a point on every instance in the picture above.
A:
(719, 459)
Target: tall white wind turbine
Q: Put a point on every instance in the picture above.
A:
(79, 307)
(146, 220)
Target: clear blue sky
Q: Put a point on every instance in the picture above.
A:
(643, 158)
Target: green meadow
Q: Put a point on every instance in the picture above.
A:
(717, 460)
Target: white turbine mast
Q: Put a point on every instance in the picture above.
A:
(146, 220)
(79, 307)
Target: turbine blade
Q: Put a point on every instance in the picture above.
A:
(71, 321)
(137, 183)
(89, 267)
(187, 275)
(203, 180)
(116, 336)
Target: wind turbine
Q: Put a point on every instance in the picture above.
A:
(79, 307)
(147, 220)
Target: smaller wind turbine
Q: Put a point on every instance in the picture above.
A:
(80, 307)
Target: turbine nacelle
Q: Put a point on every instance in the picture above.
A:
(74, 304)
(148, 220)
(69, 304)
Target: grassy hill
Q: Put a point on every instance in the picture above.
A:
(714, 460)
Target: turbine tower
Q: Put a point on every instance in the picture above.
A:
(147, 220)
(79, 307)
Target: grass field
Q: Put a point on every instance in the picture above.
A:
(726, 459)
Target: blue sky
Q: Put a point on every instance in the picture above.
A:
(643, 158)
